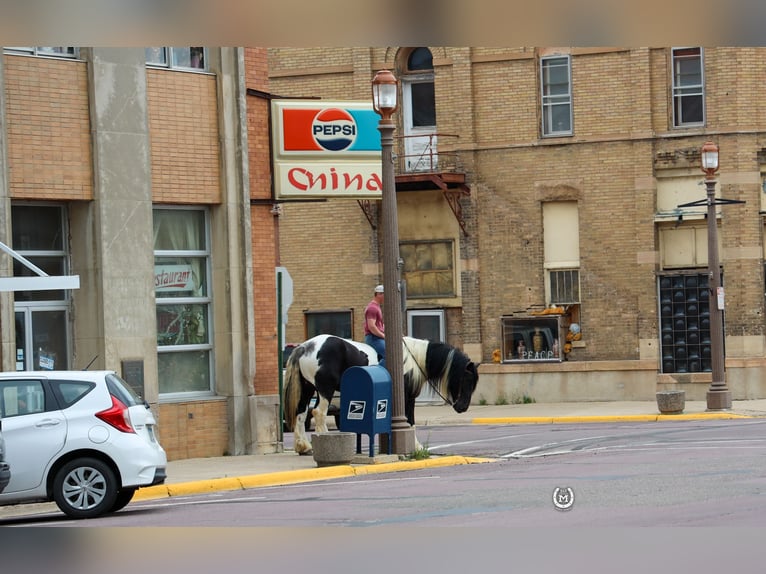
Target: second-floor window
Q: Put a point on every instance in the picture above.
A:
(556, 86)
(194, 58)
(688, 88)
(55, 51)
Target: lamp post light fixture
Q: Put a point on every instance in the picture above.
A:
(718, 395)
(385, 91)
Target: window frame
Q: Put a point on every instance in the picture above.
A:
(685, 331)
(549, 286)
(170, 60)
(406, 274)
(515, 329)
(44, 51)
(547, 100)
(677, 91)
(309, 315)
(204, 300)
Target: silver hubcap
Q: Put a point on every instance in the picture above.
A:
(84, 488)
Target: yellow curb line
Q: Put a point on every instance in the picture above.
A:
(599, 418)
(297, 476)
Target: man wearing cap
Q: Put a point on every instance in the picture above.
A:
(374, 330)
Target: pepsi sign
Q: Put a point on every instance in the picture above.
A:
(326, 149)
(334, 129)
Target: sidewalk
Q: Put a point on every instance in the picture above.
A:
(199, 475)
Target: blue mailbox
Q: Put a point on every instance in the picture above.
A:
(365, 404)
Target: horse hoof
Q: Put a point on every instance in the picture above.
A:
(307, 453)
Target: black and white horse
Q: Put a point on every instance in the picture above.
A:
(318, 364)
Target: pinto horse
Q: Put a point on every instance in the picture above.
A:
(318, 364)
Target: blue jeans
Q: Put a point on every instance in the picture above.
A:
(380, 347)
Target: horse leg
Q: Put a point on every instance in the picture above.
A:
(320, 414)
(326, 381)
(409, 412)
(302, 444)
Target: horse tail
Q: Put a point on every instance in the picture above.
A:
(291, 393)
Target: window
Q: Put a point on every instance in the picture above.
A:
(55, 51)
(531, 339)
(685, 323)
(69, 392)
(564, 286)
(41, 317)
(182, 289)
(428, 268)
(561, 246)
(426, 324)
(688, 88)
(338, 323)
(419, 111)
(23, 397)
(38, 235)
(182, 58)
(556, 95)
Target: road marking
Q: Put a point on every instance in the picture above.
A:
(477, 441)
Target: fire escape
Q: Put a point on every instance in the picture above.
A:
(429, 170)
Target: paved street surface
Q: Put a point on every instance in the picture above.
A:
(192, 476)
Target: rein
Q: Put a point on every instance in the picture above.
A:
(425, 376)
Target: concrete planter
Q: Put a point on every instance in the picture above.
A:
(671, 402)
(333, 448)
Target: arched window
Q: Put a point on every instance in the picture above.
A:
(420, 59)
(419, 110)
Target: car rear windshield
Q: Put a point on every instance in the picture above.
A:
(122, 390)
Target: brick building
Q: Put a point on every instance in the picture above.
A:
(142, 171)
(540, 198)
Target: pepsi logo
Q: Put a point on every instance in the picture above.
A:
(334, 129)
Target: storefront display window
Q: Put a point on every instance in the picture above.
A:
(531, 339)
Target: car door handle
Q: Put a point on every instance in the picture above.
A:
(48, 423)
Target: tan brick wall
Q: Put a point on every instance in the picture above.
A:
(183, 124)
(193, 429)
(622, 113)
(48, 129)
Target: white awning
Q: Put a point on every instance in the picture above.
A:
(43, 282)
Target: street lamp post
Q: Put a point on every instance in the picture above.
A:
(385, 88)
(718, 395)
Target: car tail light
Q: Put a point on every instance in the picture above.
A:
(118, 416)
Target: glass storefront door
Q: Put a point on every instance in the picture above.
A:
(41, 338)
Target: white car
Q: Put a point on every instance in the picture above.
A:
(5, 470)
(83, 439)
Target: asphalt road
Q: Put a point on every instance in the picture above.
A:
(690, 473)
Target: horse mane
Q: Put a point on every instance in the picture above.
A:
(291, 393)
(422, 358)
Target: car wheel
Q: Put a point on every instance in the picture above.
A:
(85, 488)
(123, 497)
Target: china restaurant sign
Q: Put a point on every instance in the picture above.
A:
(326, 149)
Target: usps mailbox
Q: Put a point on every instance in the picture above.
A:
(365, 404)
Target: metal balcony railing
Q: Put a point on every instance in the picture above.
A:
(419, 154)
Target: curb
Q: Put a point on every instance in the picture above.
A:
(606, 418)
(297, 476)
